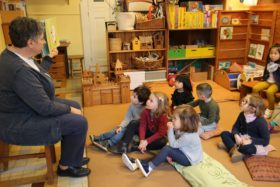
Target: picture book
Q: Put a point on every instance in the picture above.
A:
(254, 19)
(226, 33)
(194, 6)
(224, 65)
(51, 36)
(256, 51)
(260, 50)
(265, 34)
(252, 50)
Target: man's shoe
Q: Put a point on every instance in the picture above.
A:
(120, 148)
(85, 161)
(73, 172)
(129, 162)
(144, 167)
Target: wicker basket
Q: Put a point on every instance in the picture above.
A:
(148, 65)
(158, 23)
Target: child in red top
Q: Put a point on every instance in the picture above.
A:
(153, 120)
(152, 127)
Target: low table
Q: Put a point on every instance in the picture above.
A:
(246, 88)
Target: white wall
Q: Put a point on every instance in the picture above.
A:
(68, 17)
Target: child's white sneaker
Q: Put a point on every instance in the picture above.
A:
(129, 162)
(144, 167)
(267, 113)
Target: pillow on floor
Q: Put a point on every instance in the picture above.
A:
(208, 173)
(263, 168)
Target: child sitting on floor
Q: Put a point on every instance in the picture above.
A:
(183, 91)
(151, 129)
(138, 100)
(210, 111)
(184, 143)
(249, 134)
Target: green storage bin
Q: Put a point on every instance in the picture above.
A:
(176, 53)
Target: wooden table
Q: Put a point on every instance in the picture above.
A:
(246, 88)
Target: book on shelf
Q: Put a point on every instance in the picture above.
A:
(265, 34)
(51, 37)
(254, 19)
(256, 51)
(226, 33)
(180, 18)
(194, 6)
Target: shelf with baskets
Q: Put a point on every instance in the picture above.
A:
(135, 51)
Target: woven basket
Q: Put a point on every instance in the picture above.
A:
(148, 65)
(158, 23)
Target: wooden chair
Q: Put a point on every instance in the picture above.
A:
(77, 58)
(49, 154)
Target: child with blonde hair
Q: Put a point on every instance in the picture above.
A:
(184, 143)
(249, 133)
(151, 129)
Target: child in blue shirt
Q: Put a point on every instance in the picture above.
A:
(138, 101)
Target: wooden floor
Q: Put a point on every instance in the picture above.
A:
(108, 170)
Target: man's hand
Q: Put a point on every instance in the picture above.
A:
(75, 111)
(53, 53)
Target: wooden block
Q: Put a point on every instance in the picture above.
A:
(116, 96)
(106, 96)
(95, 97)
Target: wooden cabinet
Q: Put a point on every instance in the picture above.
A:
(251, 36)
(59, 69)
(232, 48)
(7, 17)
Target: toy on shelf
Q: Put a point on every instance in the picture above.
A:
(158, 40)
(146, 42)
(136, 44)
(98, 89)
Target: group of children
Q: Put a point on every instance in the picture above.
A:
(148, 116)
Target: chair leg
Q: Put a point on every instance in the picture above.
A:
(50, 173)
(4, 151)
(52, 148)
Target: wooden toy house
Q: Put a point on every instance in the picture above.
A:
(97, 89)
(158, 40)
(136, 43)
(146, 42)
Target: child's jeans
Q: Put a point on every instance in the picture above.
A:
(112, 137)
(205, 128)
(167, 151)
(229, 141)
